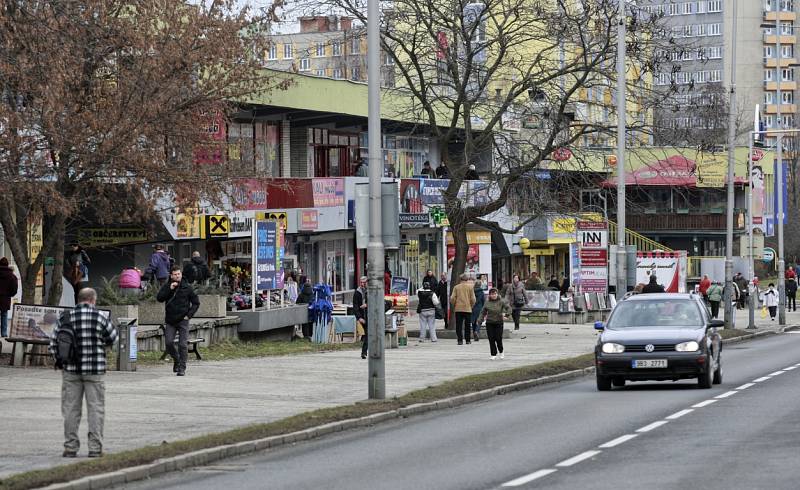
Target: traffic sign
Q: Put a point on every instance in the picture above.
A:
(769, 254)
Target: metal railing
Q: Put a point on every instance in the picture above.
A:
(643, 244)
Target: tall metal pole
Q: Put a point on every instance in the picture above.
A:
(621, 120)
(751, 314)
(375, 316)
(778, 184)
(728, 296)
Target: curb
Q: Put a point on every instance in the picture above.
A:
(210, 455)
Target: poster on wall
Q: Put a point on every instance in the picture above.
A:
(266, 256)
(669, 268)
(473, 258)
(399, 285)
(36, 322)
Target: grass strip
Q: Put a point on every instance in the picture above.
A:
(148, 454)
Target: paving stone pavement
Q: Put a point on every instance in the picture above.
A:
(152, 405)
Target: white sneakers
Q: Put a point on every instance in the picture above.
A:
(502, 356)
(492, 358)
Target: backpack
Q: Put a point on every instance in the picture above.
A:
(66, 351)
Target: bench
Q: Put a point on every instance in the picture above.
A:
(25, 343)
(391, 340)
(192, 344)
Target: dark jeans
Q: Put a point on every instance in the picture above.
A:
(714, 309)
(308, 330)
(445, 314)
(791, 300)
(77, 287)
(772, 311)
(515, 312)
(182, 329)
(462, 325)
(364, 344)
(494, 332)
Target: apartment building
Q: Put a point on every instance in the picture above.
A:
(326, 46)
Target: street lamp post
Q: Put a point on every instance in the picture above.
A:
(621, 286)
(375, 309)
(751, 314)
(728, 296)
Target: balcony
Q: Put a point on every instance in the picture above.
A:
(677, 221)
(785, 62)
(785, 39)
(785, 109)
(785, 85)
(773, 16)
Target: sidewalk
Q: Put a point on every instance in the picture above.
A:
(152, 405)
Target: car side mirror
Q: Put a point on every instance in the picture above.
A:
(599, 326)
(716, 324)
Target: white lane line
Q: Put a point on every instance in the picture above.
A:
(727, 394)
(648, 428)
(704, 404)
(776, 373)
(577, 459)
(680, 414)
(617, 441)
(758, 380)
(745, 386)
(529, 478)
(790, 368)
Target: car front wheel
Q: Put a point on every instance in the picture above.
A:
(705, 380)
(603, 383)
(718, 372)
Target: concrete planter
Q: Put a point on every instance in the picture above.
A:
(211, 306)
(263, 320)
(121, 311)
(151, 313)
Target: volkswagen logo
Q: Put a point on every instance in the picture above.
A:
(649, 347)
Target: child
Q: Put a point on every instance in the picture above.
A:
(771, 301)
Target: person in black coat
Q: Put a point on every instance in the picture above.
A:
(791, 295)
(442, 291)
(181, 305)
(653, 286)
(305, 297)
(553, 284)
(360, 311)
(8, 289)
(196, 270)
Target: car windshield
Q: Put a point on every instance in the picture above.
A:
(655, 314)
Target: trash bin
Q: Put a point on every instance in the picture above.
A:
(126, 357)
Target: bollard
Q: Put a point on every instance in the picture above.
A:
(126, 357)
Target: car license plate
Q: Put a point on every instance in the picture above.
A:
(649, 363)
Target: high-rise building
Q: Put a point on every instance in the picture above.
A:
(694, 76)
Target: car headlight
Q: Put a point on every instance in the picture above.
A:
(612, 348)
(690, 346)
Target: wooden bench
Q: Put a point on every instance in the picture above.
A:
(25, 343)
(192, 344)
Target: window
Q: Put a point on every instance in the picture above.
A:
(715, 29)
(687, 31)
(355, 45)
(305, 64)
(355, 73)
(715, 76)
(320, 49)
(714, 6)
(387, 59)
(673, 9)
(787, 51)
(287, 51)
(786, 28)
(769, 75)
(337, 73)
(715, 52)
(272, 54)
(768, 52)
(687, 8)
(337, 48)
(700, 76)
(700, 30)
(769, 97)
(701, 7)
(320, 72)
(787, 74)
(687, 55)
(787, 97)
(769, 121)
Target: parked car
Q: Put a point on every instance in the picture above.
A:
(662, 336)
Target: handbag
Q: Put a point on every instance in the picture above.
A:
(764, 312)
(439, 315)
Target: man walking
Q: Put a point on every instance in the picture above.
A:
(93, 331)
(196, 270)
(463, 299)
(442, 292)
(360, 312)
(160, 264)
(8, 289)
(516, 298)
(181, 305)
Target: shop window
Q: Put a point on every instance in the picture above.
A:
(332, 154)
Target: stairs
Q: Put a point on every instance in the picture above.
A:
(643, 244)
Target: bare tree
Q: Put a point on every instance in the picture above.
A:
(106, 107)
(473, 72)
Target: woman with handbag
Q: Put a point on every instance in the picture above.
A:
(516, 298)
(426, 309)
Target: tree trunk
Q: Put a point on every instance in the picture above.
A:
(458, 228)
(56, 227)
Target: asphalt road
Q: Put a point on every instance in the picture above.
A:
(743, 434)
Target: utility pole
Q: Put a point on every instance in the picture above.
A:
(728, 296)
(375, 313)
(621, 120)
(779, 182)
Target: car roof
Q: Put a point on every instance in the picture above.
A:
(657, 296)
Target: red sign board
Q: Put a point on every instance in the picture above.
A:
(594, 257)
(309, 220)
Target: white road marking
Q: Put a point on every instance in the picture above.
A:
(758, 380)
(577, 459)
(617, 441)
(654, 425)
(745, 386)
(776, 373)
(529, 478)
(790, 368)
(704, 404)
(680, 414)
(726, 395)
